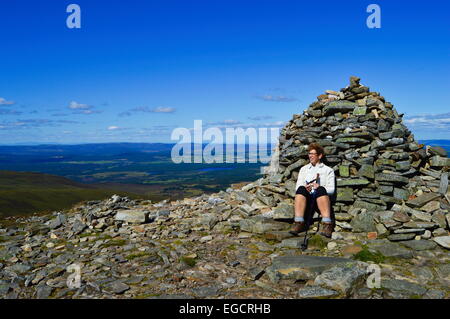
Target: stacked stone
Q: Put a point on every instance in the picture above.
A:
(378, 164)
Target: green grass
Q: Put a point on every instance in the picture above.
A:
(137, 255)
(317, 241)
(188, 261)
(28, 193)
(366, 255)
(114, 242)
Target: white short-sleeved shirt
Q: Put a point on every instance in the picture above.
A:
(309, 172)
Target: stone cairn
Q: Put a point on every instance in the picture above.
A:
(386, 181)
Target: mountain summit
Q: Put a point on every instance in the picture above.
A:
(391, 239)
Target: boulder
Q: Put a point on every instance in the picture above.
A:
(338, 107)
(443, 241)
(260, 225)
(423, 199)
(132, 216)
(363, 222)
(345, 277)
(314, 292)
(284, 211)
(302, 267)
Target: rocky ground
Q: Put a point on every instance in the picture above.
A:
(212, 246)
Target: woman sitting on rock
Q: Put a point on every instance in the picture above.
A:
(316, 182)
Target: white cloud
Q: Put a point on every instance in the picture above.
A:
(429, 121)
(260, 117)
(146, 109)
(277, 123)
(229, 122)
(3, 101)
(33, 123)
(113, 128)
(77, 106)
(271, 98)
(161, 109)
(88, 112)
(9, 112)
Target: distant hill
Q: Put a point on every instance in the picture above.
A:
(24, 193)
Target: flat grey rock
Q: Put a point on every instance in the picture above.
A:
(277, 235)
(401, 237)
(390, 249)
(132, 216)
(434, 294)
(208, 291)
(260, 225)
(443, 184)
(43, 291)
(352, 182)
(438, 161)
(295, 242)
(404, 287)
(78, 227)
(256, 272)
(417, 224)
(315, 292)
(417, 231)
(382, 177)
(117, 287)
(443, 271)
(363, 222)
(422, 199)
(344, 278)
(283, 211)
(301, 267)
(175, 296)
(443, 241)
(338, 106)
(420, 244)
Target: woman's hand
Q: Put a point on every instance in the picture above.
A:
(315, 185)
(309, 187)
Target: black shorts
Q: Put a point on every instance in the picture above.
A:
(321, 191)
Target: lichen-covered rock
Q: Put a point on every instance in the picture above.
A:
(364, 222)
(314, 292)
(443, 241)
(132, 216)
(300, 267)
(344, 278)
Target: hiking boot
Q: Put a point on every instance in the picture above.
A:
(327, 229)
(298, 228)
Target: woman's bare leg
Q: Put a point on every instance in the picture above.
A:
(323, 203)
(300, 205)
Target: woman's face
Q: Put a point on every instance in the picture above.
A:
(313, 157)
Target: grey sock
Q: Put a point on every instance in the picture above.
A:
(326, 219)
(298, 219)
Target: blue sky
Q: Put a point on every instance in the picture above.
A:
(138, 69)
